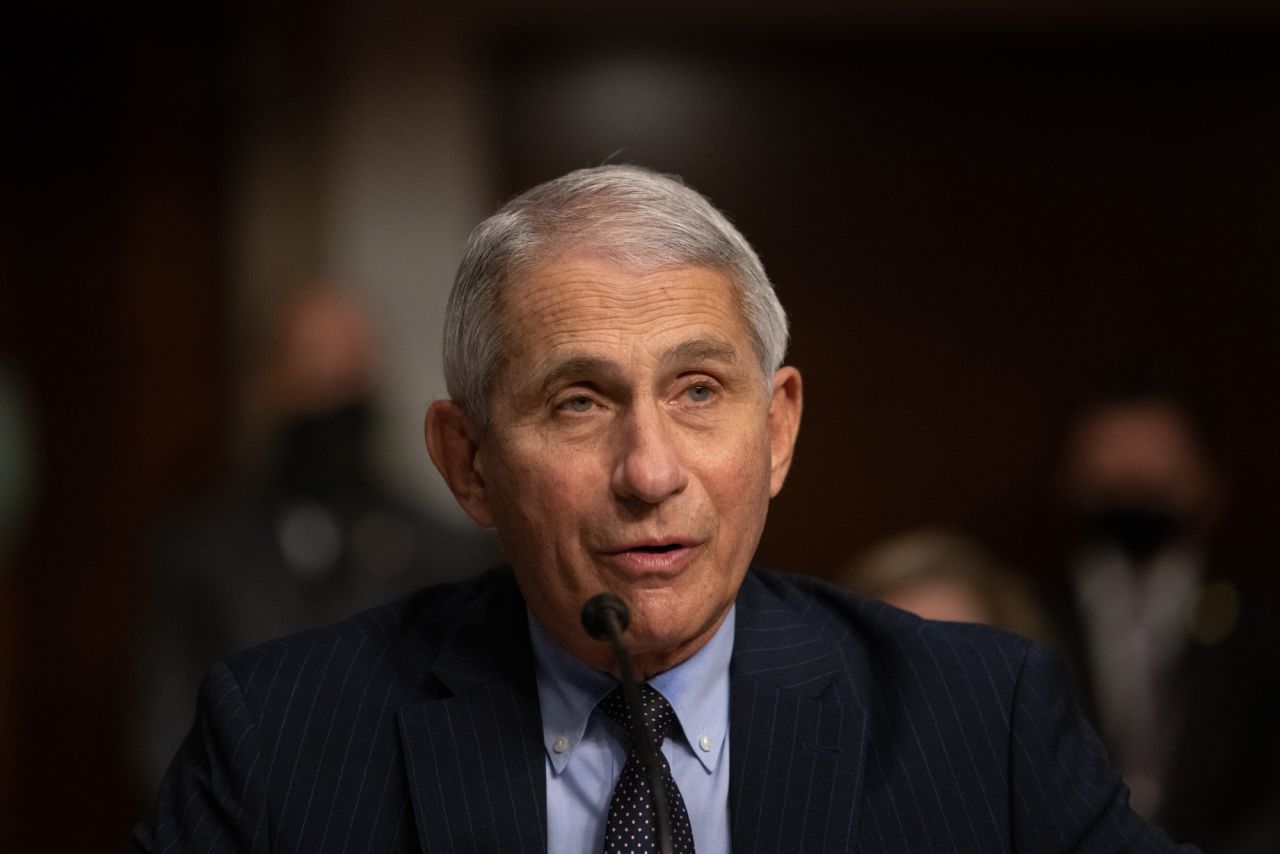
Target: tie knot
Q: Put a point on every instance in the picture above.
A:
(659, 717)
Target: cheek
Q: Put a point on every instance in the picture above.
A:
(737, 472)
(536, 498)
(739, 490)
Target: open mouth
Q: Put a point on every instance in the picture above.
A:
(657, 550)
(652, 559)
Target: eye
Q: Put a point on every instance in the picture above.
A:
(581, 403)
(699, 393)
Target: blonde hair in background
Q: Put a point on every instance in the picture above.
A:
(942, 574)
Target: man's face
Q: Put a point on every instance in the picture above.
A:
(633, 447)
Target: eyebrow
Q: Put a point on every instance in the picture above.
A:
(695, 350)
(577, 366)
(701, 350)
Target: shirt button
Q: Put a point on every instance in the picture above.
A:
(560, 744)
(705, 743)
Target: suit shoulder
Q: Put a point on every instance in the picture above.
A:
(390, 634)
(888, 634)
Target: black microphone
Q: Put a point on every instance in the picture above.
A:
(600, 611)
(606, 617)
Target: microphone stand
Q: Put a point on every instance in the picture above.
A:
(606, 617)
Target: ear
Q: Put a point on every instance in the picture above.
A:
(784, 424)
(454, 446)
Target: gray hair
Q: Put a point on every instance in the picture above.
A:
(626, 214)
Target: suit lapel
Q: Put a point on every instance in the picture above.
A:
(474, 756)
(797, 731)
(475, 760)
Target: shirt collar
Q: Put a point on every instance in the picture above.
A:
(697, 689)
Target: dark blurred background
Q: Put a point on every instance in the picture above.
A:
(976, 214)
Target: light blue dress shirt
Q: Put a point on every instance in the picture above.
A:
(586, 750)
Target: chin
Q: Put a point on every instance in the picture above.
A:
(658, 628)
(644, 640)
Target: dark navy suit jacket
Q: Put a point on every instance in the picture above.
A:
(853, 727)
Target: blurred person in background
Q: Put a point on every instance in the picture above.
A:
(309, 536)
(941, 574)
(1177, 672)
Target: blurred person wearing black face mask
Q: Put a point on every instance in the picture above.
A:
(307, 535)
(1165, 653)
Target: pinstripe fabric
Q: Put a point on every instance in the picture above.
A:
(854, 727)
(858, 727)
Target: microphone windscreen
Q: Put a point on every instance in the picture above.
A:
(595, 615)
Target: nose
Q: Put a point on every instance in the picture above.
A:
(649, 468)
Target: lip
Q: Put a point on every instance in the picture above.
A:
(639, 560)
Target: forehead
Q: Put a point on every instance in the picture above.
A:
(583, 303)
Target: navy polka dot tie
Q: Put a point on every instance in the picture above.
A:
(632, 827)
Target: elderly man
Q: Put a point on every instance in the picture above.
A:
(620, 414)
